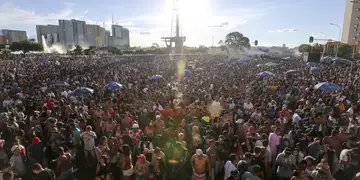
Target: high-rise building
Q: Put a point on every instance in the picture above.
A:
(13, 35)
(117, 31)
(79, 28)
(66, 33)
(95, 35)
(107, 36)
(351, 26)
(49, 32)
(126, 36)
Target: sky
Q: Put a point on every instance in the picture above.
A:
(203, 22)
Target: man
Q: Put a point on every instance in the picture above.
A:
(274, 141)
(64, 164)
(286, 164)
(346, 163)
(5, 169)
(89, 137)
(198, 163)
(257, 159)
(253, 175)
(230, 165)
(43, 174)
(211, 153)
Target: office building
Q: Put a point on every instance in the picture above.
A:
(4, 40)
(107, 36)
(49, 32)
(66, 33)
(126, 36)
(117, 42)
(117, 31)
(95, 35)
(79, 28)
(11, 36)
(351, 26)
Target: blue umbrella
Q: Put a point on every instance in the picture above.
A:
(187, 73)
(265, 74)
(328, 86)
(113, 85)
(82, 91)
(46, 62)
(291, 71)
(315, 69)
(155, 77)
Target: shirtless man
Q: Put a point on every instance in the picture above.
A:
(64, 164)
(199, 163)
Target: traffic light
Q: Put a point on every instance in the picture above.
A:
(256, 42)
(311, 39)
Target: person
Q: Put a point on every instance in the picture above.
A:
(230, 165)
(64, 165)
(142, 168)
(286, 163)
(9, 176)
(43, 174)
(102, 172)
(211, 153)
(253, 175)
(200, 163)
(126, 162)
(6, 168)
(346, 162)
(89, 137)
(17, 162)
(234, 175)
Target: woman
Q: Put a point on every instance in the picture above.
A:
(196, 138)
(102, 172)
(142, 168)
(126, 165)
(114, 156)
(150, 130)
(181, 139)
(159, 169)
(102, 148)
(118, 132)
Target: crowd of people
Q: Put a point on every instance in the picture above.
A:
(218, 120)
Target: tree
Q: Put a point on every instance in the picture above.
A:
(237, 40)
(90, 51)
(26, 46)
(317, 48)
(78, 50)
(304, 48)
(345, 51)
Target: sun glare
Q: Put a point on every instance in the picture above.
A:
(192, 13)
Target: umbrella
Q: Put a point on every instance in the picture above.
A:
(265, 74)
(291, 71)
(61, 83)
(82, 91)
(328, 86)
(155, 77)
(315, 69)
(187, 73)
(113, 85)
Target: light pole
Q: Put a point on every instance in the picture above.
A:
(339, 40)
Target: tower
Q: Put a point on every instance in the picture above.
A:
(175, 32)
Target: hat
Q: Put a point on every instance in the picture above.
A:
(199, 152)
(14, 148)
(36, 140)
(135, 126)
(141, 156)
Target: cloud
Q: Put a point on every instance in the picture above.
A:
(145, 33)
(282, 30)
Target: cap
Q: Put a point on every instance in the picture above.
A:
(199, 152)
(141, 156)
(135, 126)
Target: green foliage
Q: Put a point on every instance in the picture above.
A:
(115, 50)
(345, 51)
(78, 50)
(89, 51)
(237, 40)
(304, 48)
(26, 46)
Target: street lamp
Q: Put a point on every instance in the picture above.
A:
(339, 40)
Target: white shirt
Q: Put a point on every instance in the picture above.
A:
(296, 118)
(228, 168)
(344, 156)
(89, 140)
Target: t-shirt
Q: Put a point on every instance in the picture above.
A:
(229, 166)
(46, 174)
(344, 156)
(75, 136)
(274, 141)
(248, 176)
(89, 140)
